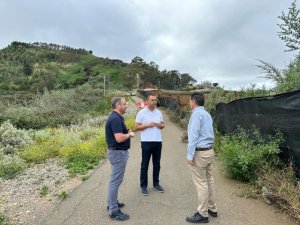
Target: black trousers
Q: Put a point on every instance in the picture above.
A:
(150, 149)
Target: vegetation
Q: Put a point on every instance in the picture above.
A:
(44, 190)
(290, 28)
(55, 92)
(4, 220)
(37, 66)
(244, 153)
(281, 188)
(63, 195)
(289, 78)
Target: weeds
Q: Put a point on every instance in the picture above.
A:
(63, 195)
(4, 220)
(44, 190)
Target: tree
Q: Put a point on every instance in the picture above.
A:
(186, 79)
(27, 69)
(290, 28)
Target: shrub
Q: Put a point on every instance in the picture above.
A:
(12, 139)
(44, 190)
(42, 150)
(81, 156)
(62, 195)
(10, 167)
(52, 109)
(244, 153)
(130, 123)
(103, 106)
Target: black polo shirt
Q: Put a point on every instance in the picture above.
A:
(115, 124)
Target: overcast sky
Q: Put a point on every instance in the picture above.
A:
(215, 40)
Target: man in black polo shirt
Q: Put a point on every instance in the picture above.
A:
(118, 142)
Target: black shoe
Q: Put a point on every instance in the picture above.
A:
(213, 214)
(159, 188)
(197, 218)
(144, 191)
(119, 216)
(120, 205)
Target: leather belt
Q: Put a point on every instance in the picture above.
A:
(203, 149)
(115, 148)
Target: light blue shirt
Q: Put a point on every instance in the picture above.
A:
(200, 131)
(150, 134)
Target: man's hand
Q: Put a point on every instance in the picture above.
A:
(130, 132)
(190, 162)
(160, 125)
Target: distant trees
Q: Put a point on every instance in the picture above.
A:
(151, 76)
(49, 46)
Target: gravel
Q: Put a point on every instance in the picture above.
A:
(21, 198)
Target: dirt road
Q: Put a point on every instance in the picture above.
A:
(87, 204)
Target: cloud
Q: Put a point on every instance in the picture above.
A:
(209, 39)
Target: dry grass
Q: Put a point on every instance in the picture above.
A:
(282, 188)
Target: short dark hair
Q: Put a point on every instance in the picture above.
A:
(150, 94)
(115, 101)
(198, 98)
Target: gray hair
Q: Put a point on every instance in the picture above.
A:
(115, 101)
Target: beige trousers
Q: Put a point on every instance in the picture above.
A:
(204, 182)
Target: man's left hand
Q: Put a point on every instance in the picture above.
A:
(190, 162)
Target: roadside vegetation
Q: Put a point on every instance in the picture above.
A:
(54, 100)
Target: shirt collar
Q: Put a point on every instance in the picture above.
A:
(198, 108)
(118, 114)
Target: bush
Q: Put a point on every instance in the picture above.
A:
(51, 109)
(10, 167)
(103, 106)
(84, 155)
(12, 139)
(243, 154)
(43, 149)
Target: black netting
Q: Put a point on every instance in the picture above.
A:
(268, 114)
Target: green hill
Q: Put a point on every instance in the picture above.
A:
(32, 67)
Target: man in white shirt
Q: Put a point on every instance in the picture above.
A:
(150, 122)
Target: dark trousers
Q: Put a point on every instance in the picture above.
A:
(150, 149)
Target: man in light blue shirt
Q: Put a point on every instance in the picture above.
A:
(200, 156)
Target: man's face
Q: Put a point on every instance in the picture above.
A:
(192, 103)
(122, 106)
(152, 101)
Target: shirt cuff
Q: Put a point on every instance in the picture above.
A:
(190, 157)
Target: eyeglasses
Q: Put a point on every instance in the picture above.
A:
(153, 100)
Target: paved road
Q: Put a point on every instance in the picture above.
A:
(87, 204)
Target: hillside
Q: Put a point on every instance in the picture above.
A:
(36, 66)
(32, 67)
